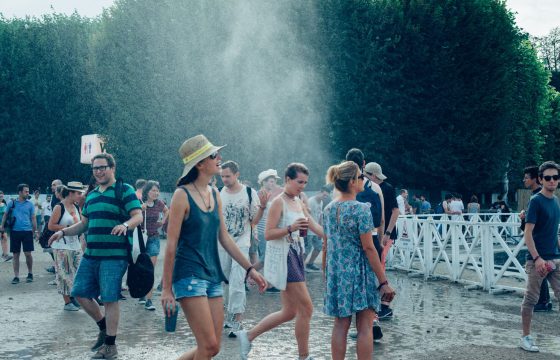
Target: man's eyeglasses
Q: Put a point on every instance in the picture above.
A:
(99, 168)
(551, 177)
(214, 155)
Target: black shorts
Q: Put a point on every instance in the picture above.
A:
(19, 238)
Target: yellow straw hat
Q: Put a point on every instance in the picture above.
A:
(195, 150)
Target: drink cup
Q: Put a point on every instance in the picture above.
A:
(302, 231)
(171, 321)
(550, 266)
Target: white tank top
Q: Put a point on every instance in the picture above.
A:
(68, 242)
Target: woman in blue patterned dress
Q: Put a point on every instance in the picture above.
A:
(355, 279)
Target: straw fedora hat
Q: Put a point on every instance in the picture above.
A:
(75, 186)
(266, 174)
(195, 150)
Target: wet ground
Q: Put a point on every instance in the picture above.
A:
(433, 320)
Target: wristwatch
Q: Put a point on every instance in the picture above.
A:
(126, 225)
(387, 232)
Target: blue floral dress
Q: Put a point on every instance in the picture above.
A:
(351, 282)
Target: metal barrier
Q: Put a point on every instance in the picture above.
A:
(482, 250)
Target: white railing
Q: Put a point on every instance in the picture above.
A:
(477, 249)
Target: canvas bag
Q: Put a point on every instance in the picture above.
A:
(136, 235)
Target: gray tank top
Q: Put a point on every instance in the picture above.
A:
(197, 248)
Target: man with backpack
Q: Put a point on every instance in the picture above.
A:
(20, 219)
(105, 259)
(242, 208)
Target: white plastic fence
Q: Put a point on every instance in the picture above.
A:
(478, 249)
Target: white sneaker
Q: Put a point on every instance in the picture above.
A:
(244, 344)
(527, 343)
(70, 307)
(52, 282)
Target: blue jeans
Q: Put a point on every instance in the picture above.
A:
(193, 286)
(99, 277)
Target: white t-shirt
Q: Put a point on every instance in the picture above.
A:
(316, 211)
(400, 204)
(456, 206)
(238, 215)
(47, 211)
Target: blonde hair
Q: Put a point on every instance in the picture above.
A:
(341, 174)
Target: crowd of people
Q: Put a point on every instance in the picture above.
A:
(219, 240)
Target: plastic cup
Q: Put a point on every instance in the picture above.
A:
(171, 321)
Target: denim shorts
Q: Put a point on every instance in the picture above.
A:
(97, 277)
(152, 246)
(193, 286)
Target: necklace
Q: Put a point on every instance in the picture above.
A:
(293, 198)
(202, 197)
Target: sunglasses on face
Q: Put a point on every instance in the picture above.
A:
(214, 155)
(551, 177)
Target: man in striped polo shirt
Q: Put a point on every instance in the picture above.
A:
(105, 259)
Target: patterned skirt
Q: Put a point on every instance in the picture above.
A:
(66, 264)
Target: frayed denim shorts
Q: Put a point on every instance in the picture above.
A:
(193, 286)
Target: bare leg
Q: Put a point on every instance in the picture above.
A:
(205, 317)
(154, 262)
(526, 317)
(313, 256)
(29, 261)
(338, 337)
(303, 320)
(91, 308)
(112, 317)
(364, 324)
(4, 241)
(15, 264)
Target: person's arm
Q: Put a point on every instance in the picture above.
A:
(53, 224)
(233, 250)
(316, 228)
(34, 223)
(178, 211)
(135, 219)
(165, 214)
(379, 192)
(263, 197)
(540, 264)
(387, 293)
(394, 217)
(272, 232)
(4, 217)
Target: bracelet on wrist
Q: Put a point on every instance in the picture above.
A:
(387, 233)
(289, 229)
(382, 284)
(248, 271)
(536, 258)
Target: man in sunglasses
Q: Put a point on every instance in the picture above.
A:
(541, 237)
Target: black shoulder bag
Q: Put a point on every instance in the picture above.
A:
(140, 278)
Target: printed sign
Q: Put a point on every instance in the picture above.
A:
(91, 145)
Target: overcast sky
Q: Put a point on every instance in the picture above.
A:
(537, 17)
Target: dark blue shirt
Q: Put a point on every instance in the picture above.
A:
(544, 212)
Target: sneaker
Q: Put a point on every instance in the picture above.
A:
(228, 320)
(50, 269)
(312, 268)
(29, 278)
(386, 313)
(52, 282)
(377, 333)
(149, 306)
(15, 280)
(272, 290)
(527, 343)
(159, 287)
(106, 352)
(244, 344)
(70, 307)
(100, 340)
(235, 328)
(543, 307)
(122, 297)
(98, 301)
(142, 300)
(7, 257)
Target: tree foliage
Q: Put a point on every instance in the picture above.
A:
(443, 94)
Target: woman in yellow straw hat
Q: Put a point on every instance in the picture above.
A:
(191, 264)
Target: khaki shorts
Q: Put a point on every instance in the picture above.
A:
(534, 282)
